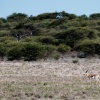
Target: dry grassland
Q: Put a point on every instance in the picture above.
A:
(49, 80)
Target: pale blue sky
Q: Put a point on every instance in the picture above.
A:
(35, 7)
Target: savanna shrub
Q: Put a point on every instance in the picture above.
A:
(63, 48)
(49, 49)
(57, 22)
(32, 51)
(72, 35)
(87, 46)
(5, 39)
(2, 50)
(46, 40)
(4, 33)
(15, 52)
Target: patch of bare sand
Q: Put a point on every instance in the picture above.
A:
(49, 80)
(48, 70)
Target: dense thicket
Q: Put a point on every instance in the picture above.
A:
(48, 35)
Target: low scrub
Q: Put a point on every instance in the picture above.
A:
(32, 51)
(63, 48)
(89, 46)
(15, 52)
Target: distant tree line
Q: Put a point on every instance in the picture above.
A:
(48, 35)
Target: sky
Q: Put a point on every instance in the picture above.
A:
(36, 7)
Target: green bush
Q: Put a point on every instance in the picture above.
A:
(73, 23)
(28, 39)
(5, 39)
(57, 22)
(33, 51)
(72, 35)
(95, 16)
(55, 55)
(49, 49)
(2, 50)
(15, 52)
(4, 33)
(46, 40)
(63, 48)
(87, 46)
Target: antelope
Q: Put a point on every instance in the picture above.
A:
(92, 76)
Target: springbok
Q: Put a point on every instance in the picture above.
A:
(92, 76)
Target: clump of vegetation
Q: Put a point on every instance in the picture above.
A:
(32, 51)
(63, 48)
(15, 52)
(52, 32)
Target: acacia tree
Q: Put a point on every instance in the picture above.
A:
(95, 16)
(17, 17)
(73, 35)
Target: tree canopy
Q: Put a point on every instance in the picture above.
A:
(48, 34)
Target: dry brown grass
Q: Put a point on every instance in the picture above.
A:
(49, 80)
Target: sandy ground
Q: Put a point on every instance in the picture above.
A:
(60, 71)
